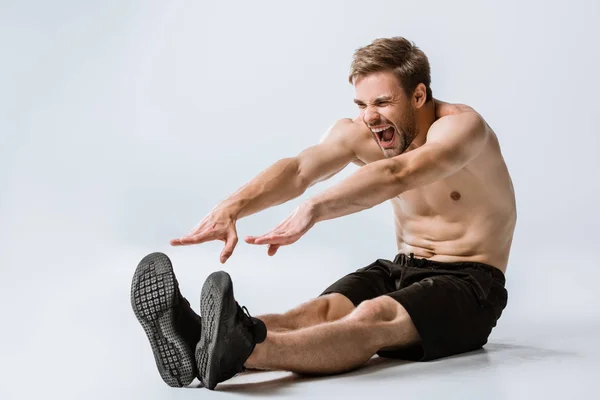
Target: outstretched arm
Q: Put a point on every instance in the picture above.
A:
(451, 143)
(287, 179)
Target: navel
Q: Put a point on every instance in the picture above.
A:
(455, 196)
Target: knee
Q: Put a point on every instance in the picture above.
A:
(379, 309)
(333, 306)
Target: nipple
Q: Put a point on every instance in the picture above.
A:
(455, 196)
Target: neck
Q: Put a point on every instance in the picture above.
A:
(425, 118)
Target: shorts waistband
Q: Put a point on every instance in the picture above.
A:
(409, 260)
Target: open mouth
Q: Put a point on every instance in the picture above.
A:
(386, 136)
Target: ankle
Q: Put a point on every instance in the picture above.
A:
(259, 355)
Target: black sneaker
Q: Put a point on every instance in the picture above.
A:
(229, 334)
(172, 327)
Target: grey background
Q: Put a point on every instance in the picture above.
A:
(123, 123)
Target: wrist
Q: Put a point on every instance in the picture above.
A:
(315, 209)
(231, 210)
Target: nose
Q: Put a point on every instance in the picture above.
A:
(371, 116)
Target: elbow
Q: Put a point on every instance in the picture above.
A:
(397, 174)
(301, 182)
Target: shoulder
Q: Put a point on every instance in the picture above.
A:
(348, 132)
(444, 109)
(348, 126)
(457, 120)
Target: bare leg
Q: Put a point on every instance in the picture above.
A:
(340, 345)
(326, 308)
(330, 307)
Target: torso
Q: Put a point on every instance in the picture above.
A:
(468, 216)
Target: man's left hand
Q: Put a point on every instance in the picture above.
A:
(289, 231)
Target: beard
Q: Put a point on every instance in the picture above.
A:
(406, 131)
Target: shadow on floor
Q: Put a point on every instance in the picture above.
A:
(493, 355)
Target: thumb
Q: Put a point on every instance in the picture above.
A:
(232, 240)
(272, 249)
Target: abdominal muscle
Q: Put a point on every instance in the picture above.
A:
(436, 239)
(469, 216)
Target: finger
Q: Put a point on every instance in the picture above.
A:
(272, 249)
(198, 238)
(181, 242)
(277, 232)
(250, 239)
(267, 239)
(279, 239)
(255, 239)
(232, 241)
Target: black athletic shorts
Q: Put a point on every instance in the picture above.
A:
(454, 306)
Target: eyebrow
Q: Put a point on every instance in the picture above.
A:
(377, 100)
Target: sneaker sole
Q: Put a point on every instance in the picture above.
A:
(216, 292)
(153, 295)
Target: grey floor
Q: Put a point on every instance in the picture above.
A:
(84, 342)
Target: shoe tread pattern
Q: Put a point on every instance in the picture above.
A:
(213, 305)
(153, 297)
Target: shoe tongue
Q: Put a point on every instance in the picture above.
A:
(255, 325)
(259, 330)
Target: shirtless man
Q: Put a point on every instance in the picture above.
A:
(441, 167)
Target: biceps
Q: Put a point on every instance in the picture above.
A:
(322, 161)
(425, 166)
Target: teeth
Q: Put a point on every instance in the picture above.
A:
(380, 129)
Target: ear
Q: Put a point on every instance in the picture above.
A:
(419, 96)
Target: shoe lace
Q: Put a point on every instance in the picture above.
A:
(244, 315)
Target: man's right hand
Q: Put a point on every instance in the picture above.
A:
(219, 224)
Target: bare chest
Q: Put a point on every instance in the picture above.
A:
(481, 191)
(451, 198)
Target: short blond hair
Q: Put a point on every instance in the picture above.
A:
(396, 54)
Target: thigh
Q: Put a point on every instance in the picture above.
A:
(367, 283)
(452, 313)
